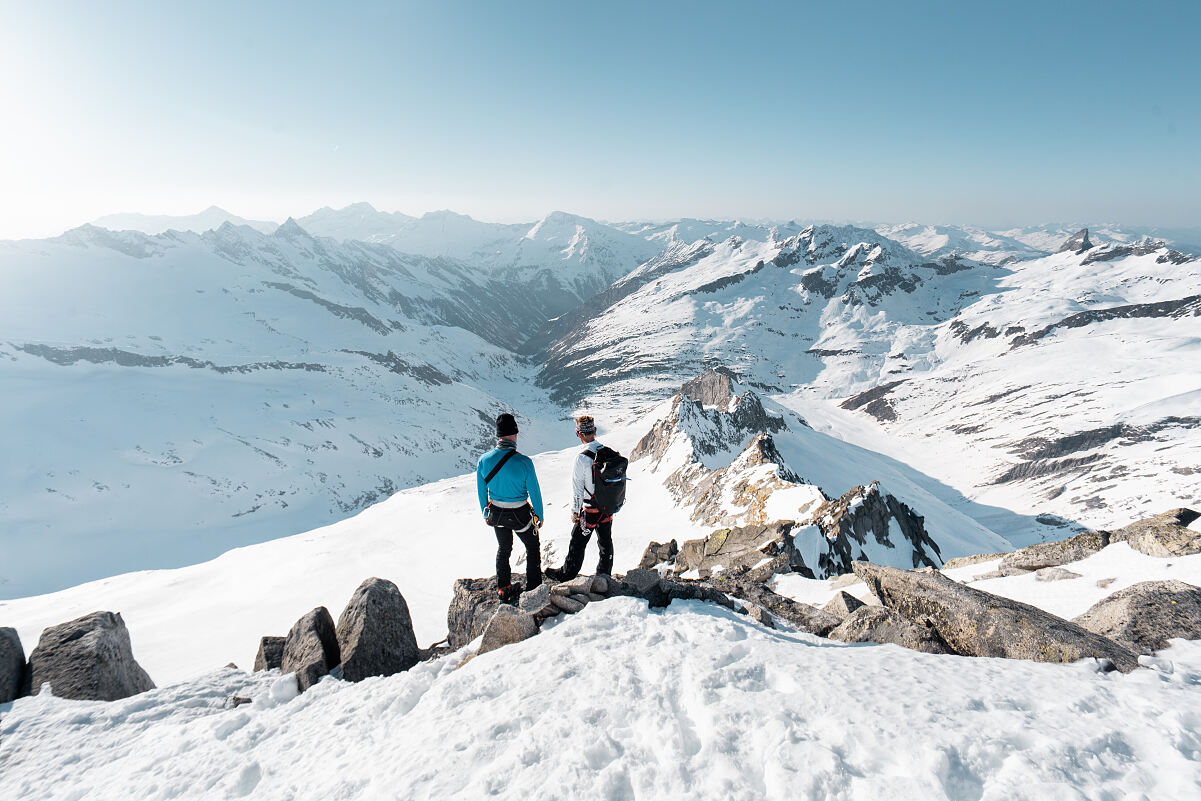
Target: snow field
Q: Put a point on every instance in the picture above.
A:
(622, 702)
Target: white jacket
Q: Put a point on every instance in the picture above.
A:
(581, 478)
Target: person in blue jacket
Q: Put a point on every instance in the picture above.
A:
(504, 480)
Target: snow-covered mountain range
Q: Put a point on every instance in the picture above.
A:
(184, 392)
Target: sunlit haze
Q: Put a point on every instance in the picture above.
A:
(953, 113)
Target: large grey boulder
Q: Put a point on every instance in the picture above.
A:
(1164, 535)
(271, 653)
(537, 602)
(883, 625)
(311, 648)
(89, 658)
(1054, 554)
(375, 632)
(507, 625)
(1145, 615)
(743, 547)
(842, 605)
(471, 608)
(12, 665)
(976, 623)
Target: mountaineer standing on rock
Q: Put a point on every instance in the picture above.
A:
(598, 492)
(504, 480)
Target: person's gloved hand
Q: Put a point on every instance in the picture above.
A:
(575, 517)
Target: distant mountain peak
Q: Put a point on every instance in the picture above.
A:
(291, 230)
(1077, 242)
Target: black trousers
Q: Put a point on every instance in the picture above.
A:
(533, 556)
(579, 542)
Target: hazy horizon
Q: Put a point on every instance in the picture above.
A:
(939, 113)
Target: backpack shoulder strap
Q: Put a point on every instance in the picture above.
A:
(499, 465)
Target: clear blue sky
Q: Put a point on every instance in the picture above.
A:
(933, 111)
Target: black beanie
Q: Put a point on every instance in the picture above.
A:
(505, 425)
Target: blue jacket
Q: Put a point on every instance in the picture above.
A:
(515, 482)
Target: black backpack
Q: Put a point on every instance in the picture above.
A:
(608, 480)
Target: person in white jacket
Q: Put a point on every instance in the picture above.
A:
(585, 522)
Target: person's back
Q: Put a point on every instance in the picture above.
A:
(511, 502)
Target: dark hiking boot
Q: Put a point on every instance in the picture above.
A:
(556, 574)
(509, 594)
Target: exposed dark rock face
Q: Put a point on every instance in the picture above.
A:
(875, 401)
(471, 608)
(311, 648)
(375, 632)
(271, 653)
(657, 553)
(842, 605)
(1077, 242)
(89, 658)
(1145, 616)
(1184, 307)
(880, 624)
(1053, 554)
(861, 518)
(976, 623)
(12, 665)
(507, 625)
(1114, 252)
(1164, 535)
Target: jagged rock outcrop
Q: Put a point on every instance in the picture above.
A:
(1077, 242)
(311, 648)
(1163, 535)
(657, 553)
(765, 549)
(860, 524)
(879, 624)
(375, 632)
(271, 653)
(1054, 554)
(507, 625)
(976, 623)
(471, 608)
(12, 665)
(842, 605)
(89, 658)
(726, 423)
(1145, 616)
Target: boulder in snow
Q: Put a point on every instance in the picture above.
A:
(751, 547)
(566, 603)
(1054, 574)
(89, 658)
(657, 553)
(1144, 616)
(311, 648)
(883, 625)
(976, 623)
(471, 608)
(757, 612)
(375, 632)
(508, 625)
(842, 605)
(537, 602)
(1053, 554)
(271, 653)
(1164, 535)
(12, 665)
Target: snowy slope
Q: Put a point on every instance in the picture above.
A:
(170, 397)
(622, 702)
